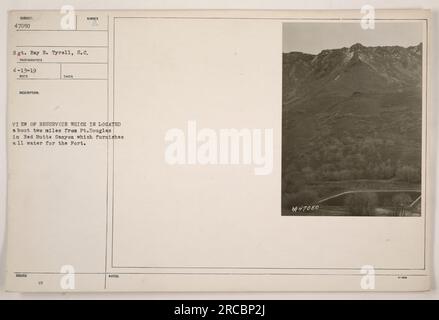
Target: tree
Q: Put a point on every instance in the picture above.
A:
(400, 201)
(308, 174)
(408, 174)
(362, 203)
(301, 198)
(306, 197)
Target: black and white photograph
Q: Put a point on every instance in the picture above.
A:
(182, 152)
(352, 133)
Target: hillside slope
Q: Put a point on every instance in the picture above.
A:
(351, 114)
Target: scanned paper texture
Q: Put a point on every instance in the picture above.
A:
(218, 151)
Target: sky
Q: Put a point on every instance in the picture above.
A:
(313, 37)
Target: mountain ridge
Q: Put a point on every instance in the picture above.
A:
(389, 65)
(351, 113)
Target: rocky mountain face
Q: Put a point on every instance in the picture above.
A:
(351, 113)
(348, 70)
